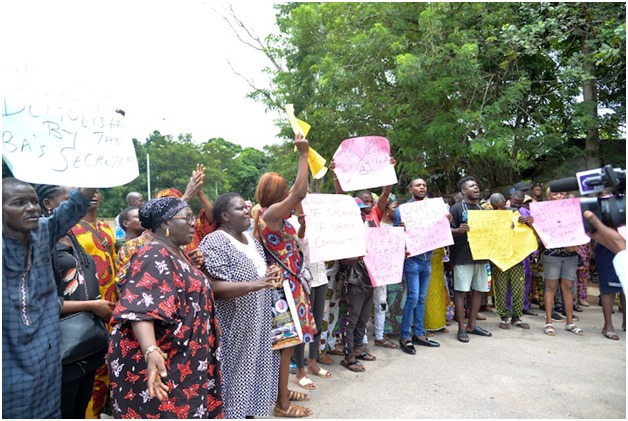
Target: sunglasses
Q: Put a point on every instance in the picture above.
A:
(190, 219)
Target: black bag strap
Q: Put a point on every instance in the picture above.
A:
(102, 241)
(282, 264)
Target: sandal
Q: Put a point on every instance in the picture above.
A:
(322, 373)
(293, 411)
(293, 395)
(325, 359)
(354, 366)
(385, 343)
(519, 323)
(504, 323)
(574, 329)
(306, 383)
(583, 303)
(463, 336)
(549, 329)
(611, 335)
(365, 356)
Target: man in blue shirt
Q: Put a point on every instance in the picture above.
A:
(31, 360)
(416, 272)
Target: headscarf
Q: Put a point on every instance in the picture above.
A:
(171, 192)
(154, 212)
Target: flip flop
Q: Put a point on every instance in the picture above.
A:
(306, 383)
(322, 373)
(325, 359)
(365, 356)
(385, 343)
(479, 331)
(354, 366)
(611, 335)
(463, 336)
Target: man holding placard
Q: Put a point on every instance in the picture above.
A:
(416, 271)
(469, 274)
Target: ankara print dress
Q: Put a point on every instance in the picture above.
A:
(284, 246)
(177, 298)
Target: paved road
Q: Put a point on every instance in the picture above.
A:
(515, 373)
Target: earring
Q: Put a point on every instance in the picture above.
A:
(168, 232)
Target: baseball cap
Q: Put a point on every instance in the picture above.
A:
(360, 203)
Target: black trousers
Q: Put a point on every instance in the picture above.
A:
(359, 300)
(75, 396)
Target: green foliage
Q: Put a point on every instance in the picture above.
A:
(489, 89)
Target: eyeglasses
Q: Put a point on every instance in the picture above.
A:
(190, 219)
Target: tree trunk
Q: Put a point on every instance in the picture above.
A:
(592, 143)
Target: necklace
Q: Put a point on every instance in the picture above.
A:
(176, 251)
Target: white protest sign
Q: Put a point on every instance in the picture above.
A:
(385, 253)
(334, 227)
(363, 163)
(427, 226)
(57, 139)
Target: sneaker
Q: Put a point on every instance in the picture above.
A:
(557, 317)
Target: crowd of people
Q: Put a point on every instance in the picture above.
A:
(187, 301)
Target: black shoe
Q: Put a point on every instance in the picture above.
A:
(424, 342)
(406, 346)
(557, 317)
(535, 301)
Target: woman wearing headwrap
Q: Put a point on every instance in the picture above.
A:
(162, 356)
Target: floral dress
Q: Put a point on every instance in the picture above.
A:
(177, 298)
(284, 246)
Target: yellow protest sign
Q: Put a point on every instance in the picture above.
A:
(298, 126)
(499, 237)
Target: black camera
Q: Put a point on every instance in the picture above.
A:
(611, 210)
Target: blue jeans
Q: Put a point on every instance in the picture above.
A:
(417, 275)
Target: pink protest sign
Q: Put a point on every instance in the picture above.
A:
(427, 226)
(558, 223)
(385, 251)
(363, 163)
(622, 231)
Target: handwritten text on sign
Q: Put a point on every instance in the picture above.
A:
(497, 235)
(385, 253)
(334, 227)
(427, 226)
(559, 223)
(364, 162)
(52, 139)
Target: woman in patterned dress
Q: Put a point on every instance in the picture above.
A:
(162, 355)
(279, 238)
(242, 285)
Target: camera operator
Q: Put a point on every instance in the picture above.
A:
(613, 241)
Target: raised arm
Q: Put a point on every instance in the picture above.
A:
(337, 188)
(276, 212)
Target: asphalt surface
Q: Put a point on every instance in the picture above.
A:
(516, 373)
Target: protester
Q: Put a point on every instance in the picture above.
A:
(279, 240)
(130, 223)
(31, 369)
(469, 274)
(559, 268)
(318, 294)
(78, 290)
(416, 272)
(613, 241)
(133, 200)
(98, 240)
(165, 326)
(241, 282)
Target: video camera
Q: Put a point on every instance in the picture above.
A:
(611, 210)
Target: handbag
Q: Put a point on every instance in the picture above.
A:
(286, 328)
(83, 334)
